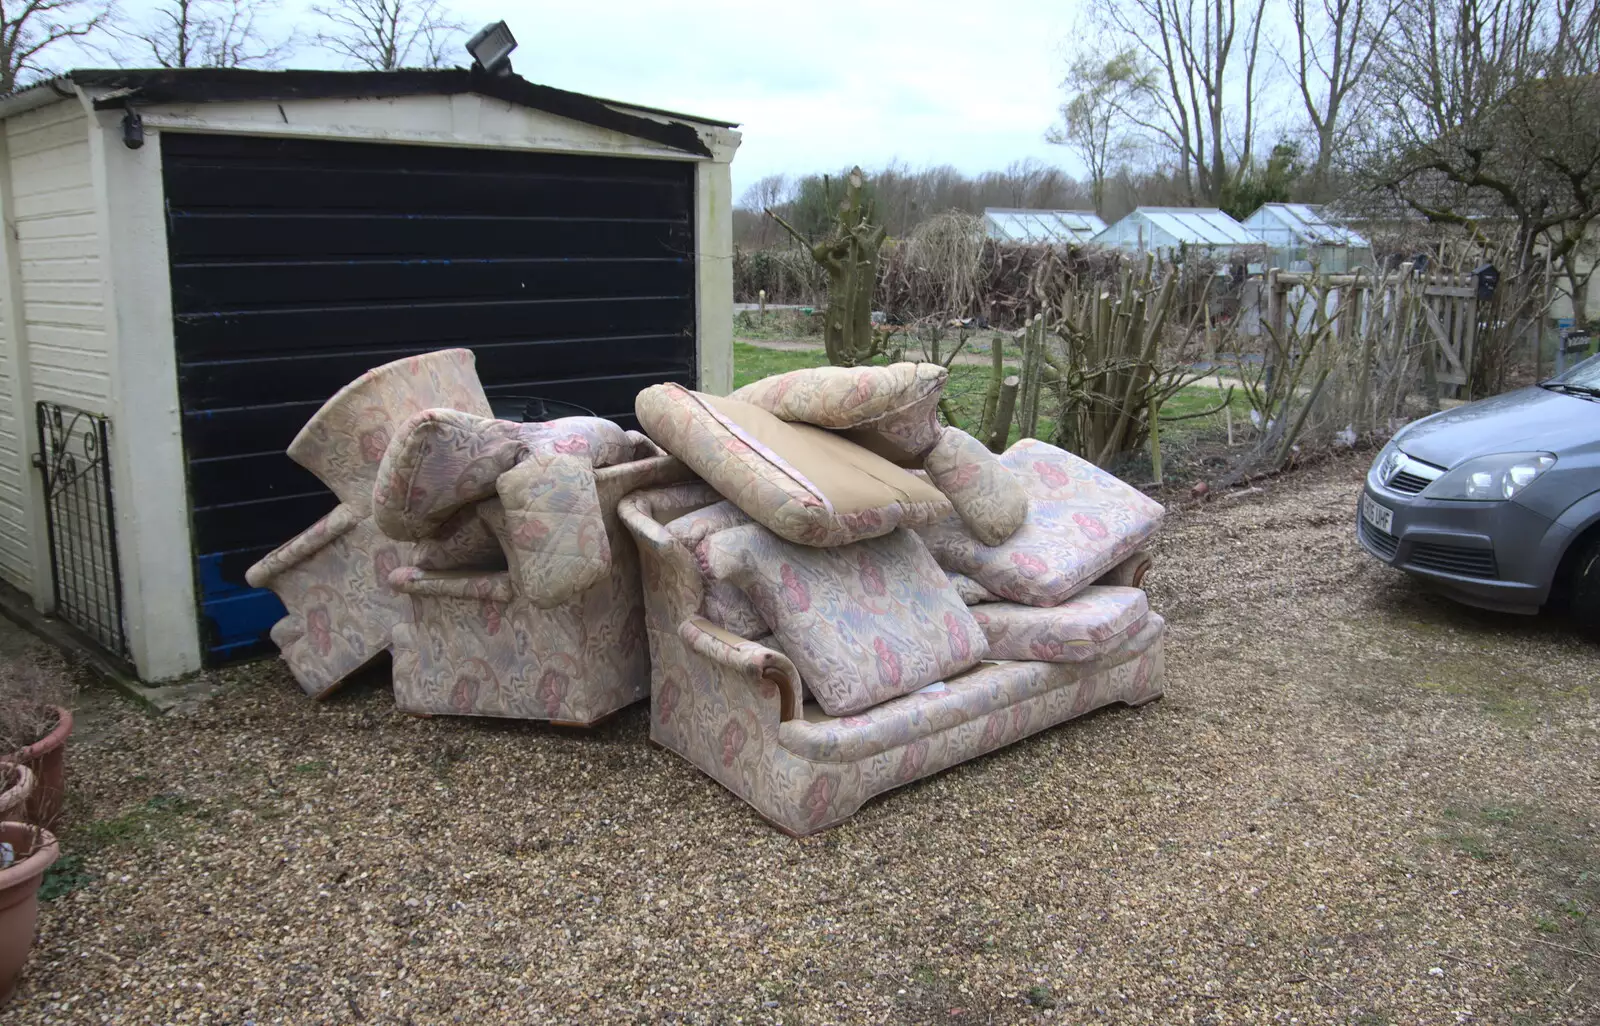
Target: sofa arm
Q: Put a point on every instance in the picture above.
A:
(745, 658)
(672, 583)
(340, 522)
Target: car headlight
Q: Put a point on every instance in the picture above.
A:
(1492, 478)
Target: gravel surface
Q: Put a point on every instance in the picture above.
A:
(1357, 804)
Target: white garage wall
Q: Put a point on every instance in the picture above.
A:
(16, 559)
(52, 317)
(58, 249)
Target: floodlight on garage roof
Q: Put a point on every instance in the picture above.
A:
(491, 48)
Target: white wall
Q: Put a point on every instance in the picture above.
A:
(51, 315)
(148, 469)
(16, 546)
(58, 248)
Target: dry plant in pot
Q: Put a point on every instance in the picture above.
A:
(34, 725)
(25, 853)
(16, 787)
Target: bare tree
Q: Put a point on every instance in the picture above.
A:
(30, 28)
(1206, 55)
(768, 193)
(208, 34)
(1107, 99)
(387, 34)
(1577, 266)
(1334, 43)
(1493, 112)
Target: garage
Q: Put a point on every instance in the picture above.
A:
(263, 238)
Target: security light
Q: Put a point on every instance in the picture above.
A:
(491, 48)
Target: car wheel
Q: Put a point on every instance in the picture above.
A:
(1585, 594)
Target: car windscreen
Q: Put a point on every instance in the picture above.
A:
(1584, 375)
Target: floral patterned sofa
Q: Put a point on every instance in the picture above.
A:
(333, 578)
(826, 625)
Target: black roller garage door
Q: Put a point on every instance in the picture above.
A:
(296, 265)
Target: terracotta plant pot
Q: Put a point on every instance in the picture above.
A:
(47, 758)
(18, 783)
(35, 850)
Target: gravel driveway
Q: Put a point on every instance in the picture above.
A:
(1357, 804)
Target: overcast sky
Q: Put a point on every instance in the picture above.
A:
(928, 82)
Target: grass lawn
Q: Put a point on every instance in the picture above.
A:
(968, 384)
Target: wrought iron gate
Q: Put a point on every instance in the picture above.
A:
(74, 458)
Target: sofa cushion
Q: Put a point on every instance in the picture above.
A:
(891, 410)
(806, 484)
(725, 604)
(863, 622)
(1081, 521)
(1091, 624)
(441, 460)
(987, 496)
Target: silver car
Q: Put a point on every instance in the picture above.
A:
(1497, 503)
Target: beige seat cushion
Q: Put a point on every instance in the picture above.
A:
(1091, 625)
(807, 485)
(863, 622)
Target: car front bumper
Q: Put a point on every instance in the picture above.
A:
(1496, 555)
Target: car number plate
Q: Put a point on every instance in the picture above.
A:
(1378, 516)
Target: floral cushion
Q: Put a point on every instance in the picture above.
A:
(725, 604)
(344, 442)
(987, 496)
(1081, 521)
(1093, 623)
(808, 485)
(441, 460)
(891, 410)
(863, 622)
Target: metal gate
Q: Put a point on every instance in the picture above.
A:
(74, 448)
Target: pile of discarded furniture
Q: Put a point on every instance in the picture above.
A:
(823, 592)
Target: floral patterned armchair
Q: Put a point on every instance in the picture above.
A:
(555, 629)
(333, 578)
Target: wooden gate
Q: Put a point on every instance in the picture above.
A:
(1450, 315)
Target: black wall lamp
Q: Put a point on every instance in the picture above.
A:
(132, 129)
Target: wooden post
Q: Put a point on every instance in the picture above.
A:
(991, 397)
(1155, 441)
(1032, 376)
(1002, 415)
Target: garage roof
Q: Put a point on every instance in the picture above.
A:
(221, 85)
